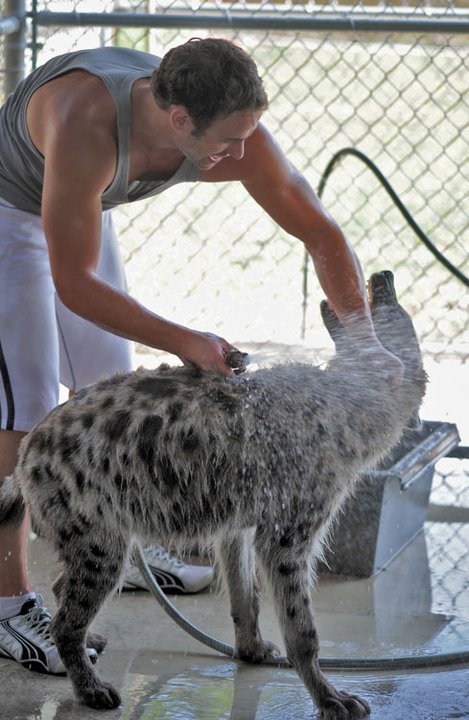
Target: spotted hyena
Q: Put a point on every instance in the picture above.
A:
(176, 453)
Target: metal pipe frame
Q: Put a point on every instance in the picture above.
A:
(9, 25)
(13, 26)
(255, 21)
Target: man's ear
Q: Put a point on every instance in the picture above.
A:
(180, 119)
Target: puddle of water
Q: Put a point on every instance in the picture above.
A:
(211, 690)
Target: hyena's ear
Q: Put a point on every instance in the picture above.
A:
(333, 325)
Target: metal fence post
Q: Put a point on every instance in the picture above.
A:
(15, 46)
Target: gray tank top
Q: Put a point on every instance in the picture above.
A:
(22, 166)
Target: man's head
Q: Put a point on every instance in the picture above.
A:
(211, 79)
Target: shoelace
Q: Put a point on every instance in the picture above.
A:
(158, 553)
(38, 620)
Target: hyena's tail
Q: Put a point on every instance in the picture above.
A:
(11, 501)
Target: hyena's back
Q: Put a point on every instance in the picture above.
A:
(174, 451)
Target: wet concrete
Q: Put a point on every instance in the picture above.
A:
(417, 607)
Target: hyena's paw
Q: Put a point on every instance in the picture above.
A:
(95, 641)
(99, 695)
(342, 706)
(263, 651)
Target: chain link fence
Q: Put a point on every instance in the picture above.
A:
(208, 257)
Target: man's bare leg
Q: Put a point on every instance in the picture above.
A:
(13, 537)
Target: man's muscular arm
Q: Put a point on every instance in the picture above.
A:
(80, 158)
(283, 192)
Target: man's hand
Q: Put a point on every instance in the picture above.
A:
(385, 362)
(208, 352)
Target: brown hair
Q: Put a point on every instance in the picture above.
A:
(211, 78)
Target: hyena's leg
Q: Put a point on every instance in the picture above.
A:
(86, 581)
(236, 556)
(290, 576)
(94, 641)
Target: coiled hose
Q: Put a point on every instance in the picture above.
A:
(398, 203)
(398, 663)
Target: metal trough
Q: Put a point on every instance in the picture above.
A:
(389, 508)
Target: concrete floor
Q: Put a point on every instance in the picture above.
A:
(414, 608)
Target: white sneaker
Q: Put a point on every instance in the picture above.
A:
(172, 575)
(26, 638)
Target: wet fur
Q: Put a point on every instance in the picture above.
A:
(173, 453)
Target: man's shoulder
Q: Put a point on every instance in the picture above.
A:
(129, 57)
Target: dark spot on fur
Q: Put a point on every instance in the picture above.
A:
(50, 441)
(69, 446)
(36, 474)
(125, 460)
(87, 420)
(235, 427)
(65, 417)
(120, 482)
(12, 513)
(291, 611)
(287, 568)
(175, 410)
(90, 455)
(65, 535)
(85, 523)
(107, 403)
(97, 551)
(93, 566)
(106, 465)
(150, 427)
(166, 471)
(303, 532)
(286, 540)
(189, 440)
(135, 509)
(177, 518)
(157, 387)
(64, 496)
(226, 401)
(345, 452)
(220, 467)
(37, 441)
(112, 382)
(116, 427)
(80, 480)
(89, 581)
(147, 437)
(193, 372)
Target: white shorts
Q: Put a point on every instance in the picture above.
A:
(42, 343)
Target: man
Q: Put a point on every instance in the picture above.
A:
(84, 133)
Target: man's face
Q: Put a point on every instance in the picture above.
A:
(223, 138)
